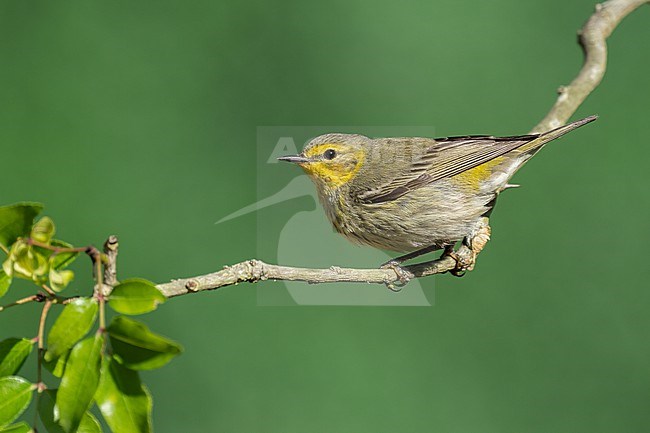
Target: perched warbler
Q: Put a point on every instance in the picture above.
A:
(414, 194)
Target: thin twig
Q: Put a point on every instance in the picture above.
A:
(49, 291)
(65, 301)
(252, 271)
(40, 386)
(99, 291)
(39, 297)
(58, 250)
(41, 336)
(592, 38)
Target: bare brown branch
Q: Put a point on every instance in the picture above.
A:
(592, 37)
(252, 271)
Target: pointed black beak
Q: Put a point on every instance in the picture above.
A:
(296, 159)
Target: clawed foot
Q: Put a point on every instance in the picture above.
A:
(472, 245)
(403, 276)
(465, 260)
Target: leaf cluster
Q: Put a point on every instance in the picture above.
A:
(94, 365)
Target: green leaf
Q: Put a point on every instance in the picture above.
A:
(5, 282)
(137, 348)
(122, 399)
(21, 427)
(16, 221)
(13, 352)
(89, 423)
(59, 280)
(79, 383)
(57, 366)
(135, 296)
(61, 260)
(71, 326)
(25, 262)
(15, 395)
(43, 231)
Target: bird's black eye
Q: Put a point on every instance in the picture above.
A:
(329, 154)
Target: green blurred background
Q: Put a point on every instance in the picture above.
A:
(139, 118)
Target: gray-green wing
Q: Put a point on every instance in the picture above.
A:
(446, 157)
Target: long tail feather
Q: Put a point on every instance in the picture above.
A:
(545, 137)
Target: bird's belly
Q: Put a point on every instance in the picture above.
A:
(435, 214)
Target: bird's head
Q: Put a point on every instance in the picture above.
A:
(332, 160)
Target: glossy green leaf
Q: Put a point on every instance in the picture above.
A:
(21, 427)
(122, 399)
(89, 424)
(16, 221)
(15, 395)
(43, 231)
(46, 403)
(56, 366)
(135, 296)
(137, 348)
(13, 352)
(79, 383)
(5, 282)
(76, 319)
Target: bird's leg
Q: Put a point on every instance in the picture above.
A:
(402, 274)
(465, 256)
(472, 245)
(410, 256)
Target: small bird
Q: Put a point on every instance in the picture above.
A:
(416, 195)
